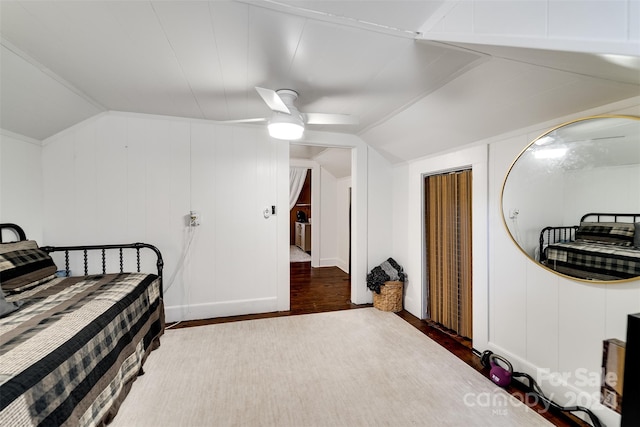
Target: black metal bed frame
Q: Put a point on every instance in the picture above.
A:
(635, 217)
(19, 232)
(550, 235)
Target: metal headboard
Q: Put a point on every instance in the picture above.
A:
(86, 248)
(17, 230)
(610, 217)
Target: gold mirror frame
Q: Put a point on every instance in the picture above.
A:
(598, 155)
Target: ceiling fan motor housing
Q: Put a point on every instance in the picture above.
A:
(288, 96)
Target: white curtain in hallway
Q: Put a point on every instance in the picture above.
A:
(297, 176)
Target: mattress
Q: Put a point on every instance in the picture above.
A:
(592, 260)
(70, 353)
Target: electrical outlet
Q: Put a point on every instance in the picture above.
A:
(194, 219)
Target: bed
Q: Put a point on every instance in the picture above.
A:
(605, 246)
(72, 345)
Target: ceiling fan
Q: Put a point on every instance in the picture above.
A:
(287, 122)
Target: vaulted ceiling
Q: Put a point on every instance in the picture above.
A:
(417, 84)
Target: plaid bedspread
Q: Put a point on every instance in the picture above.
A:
(69, 355)
(594, 260)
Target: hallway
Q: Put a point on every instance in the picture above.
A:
(315, 290)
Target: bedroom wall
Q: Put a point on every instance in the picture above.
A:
(125, 177)
(121, 177)
(380, 210)
(409, 227)
(545, 325)
(605, 26)
(551, 326)
(21, 183)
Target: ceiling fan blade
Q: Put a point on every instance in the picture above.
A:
(330, 119)
(273, 100)
(256, 120)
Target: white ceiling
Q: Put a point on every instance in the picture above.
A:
(64, 61)
(337, 161)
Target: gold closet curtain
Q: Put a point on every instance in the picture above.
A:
(448, 236)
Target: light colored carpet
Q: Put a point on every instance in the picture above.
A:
(298, 255)
(359, 367)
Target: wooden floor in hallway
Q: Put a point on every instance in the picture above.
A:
(315, 290)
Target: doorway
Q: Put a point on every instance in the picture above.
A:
(300, 215)
(448, 249)
(324, 205)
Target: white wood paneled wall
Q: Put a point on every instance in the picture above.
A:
(544, 324)
(547, 325)
(21, 183)
(592, 26)
(124, 177)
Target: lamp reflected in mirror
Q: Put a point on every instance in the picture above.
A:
(571, 199)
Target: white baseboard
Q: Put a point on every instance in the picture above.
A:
(335, 262)
(328, 262)
(220, 309)
(561, 392)
(343, 265)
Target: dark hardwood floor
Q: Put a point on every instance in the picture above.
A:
(317, 290)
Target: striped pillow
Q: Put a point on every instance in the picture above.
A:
(611, 233)
(22, 263)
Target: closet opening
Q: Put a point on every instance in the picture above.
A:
(448, 251)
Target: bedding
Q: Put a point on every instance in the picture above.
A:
(605, 246)
(58, 368)
(612, 233)
(594, 260)
(22, 263)
(7, 307)
(71, 347)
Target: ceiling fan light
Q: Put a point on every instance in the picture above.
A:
(288, 131)
(285, 126)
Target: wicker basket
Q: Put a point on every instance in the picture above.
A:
(389, 298)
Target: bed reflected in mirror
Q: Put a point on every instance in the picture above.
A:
(571, 200)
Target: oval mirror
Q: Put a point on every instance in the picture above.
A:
(571, 200)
